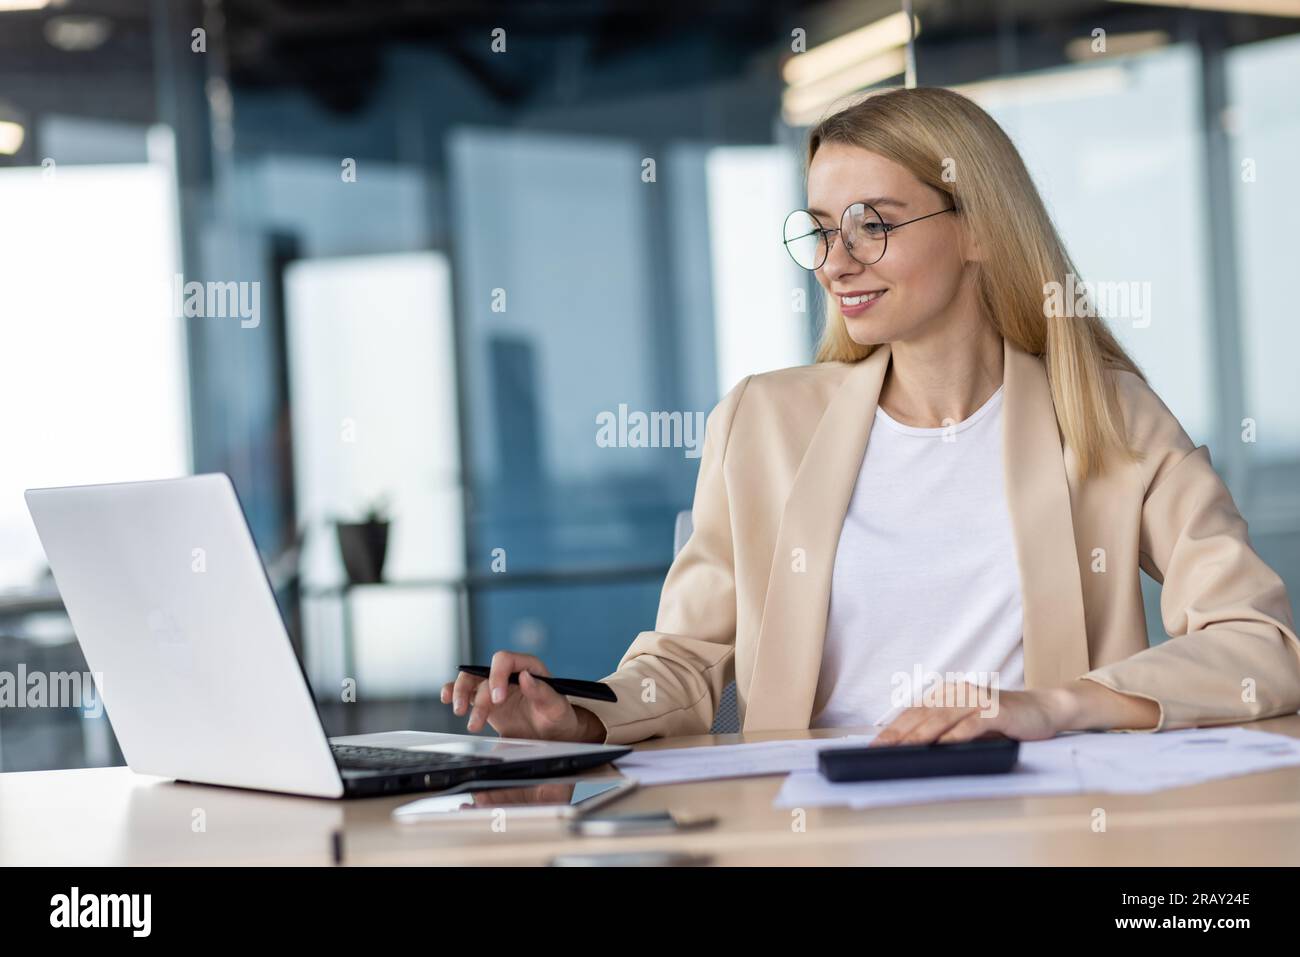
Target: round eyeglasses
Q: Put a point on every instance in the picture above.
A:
(865, 235)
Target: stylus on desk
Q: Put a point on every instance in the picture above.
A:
(569, 686)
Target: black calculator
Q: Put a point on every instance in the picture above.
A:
(888, 762)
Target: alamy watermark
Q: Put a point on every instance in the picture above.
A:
(635, 429)
(1076, 298)
(951, 689)
(53, 689)
(216, 300)
(74, 909)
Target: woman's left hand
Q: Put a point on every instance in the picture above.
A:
(1022, 715)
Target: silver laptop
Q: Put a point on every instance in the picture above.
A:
(177, 620)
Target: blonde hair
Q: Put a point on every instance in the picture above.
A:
(929, 131)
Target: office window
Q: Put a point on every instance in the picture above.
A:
(762, 310)
(1115, 150)
(92, 373)
(567, 314)
(555, 288)
(373, 398)
(1266, 134)
(1265, 131)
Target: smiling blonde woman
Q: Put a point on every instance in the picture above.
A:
(963, 488)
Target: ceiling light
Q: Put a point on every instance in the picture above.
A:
(1117, 44)
(804, 104)
(9, 6)
(11, 137)
(1048, 87)
(77, 34)
(861, 44)
(1270, 8)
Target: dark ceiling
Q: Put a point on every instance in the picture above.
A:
(333, 49)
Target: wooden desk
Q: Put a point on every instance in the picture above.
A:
(113, 817)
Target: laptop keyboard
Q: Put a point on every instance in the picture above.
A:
(361, 758)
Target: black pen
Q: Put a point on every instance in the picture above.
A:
(570, 686)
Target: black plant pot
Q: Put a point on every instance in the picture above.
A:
(363, 546)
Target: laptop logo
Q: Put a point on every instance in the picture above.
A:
(175, 650)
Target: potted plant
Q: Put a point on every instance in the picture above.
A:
(364, 544)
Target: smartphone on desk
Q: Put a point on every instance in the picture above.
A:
(891, 762)
(560, 800)
(646, 822)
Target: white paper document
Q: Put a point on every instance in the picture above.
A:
(1070, 764)
(679, 765)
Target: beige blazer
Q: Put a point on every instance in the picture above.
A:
(747, 597)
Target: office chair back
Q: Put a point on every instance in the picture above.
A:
(727, 718)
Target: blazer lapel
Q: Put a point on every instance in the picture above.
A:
(791, 635)
(1038, 498)
(789, 653)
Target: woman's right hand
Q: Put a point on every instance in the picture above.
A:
(530, 709)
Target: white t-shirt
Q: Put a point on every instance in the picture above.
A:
(926, 580)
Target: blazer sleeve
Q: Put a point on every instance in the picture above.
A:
(1232, 654)
(670, 680)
